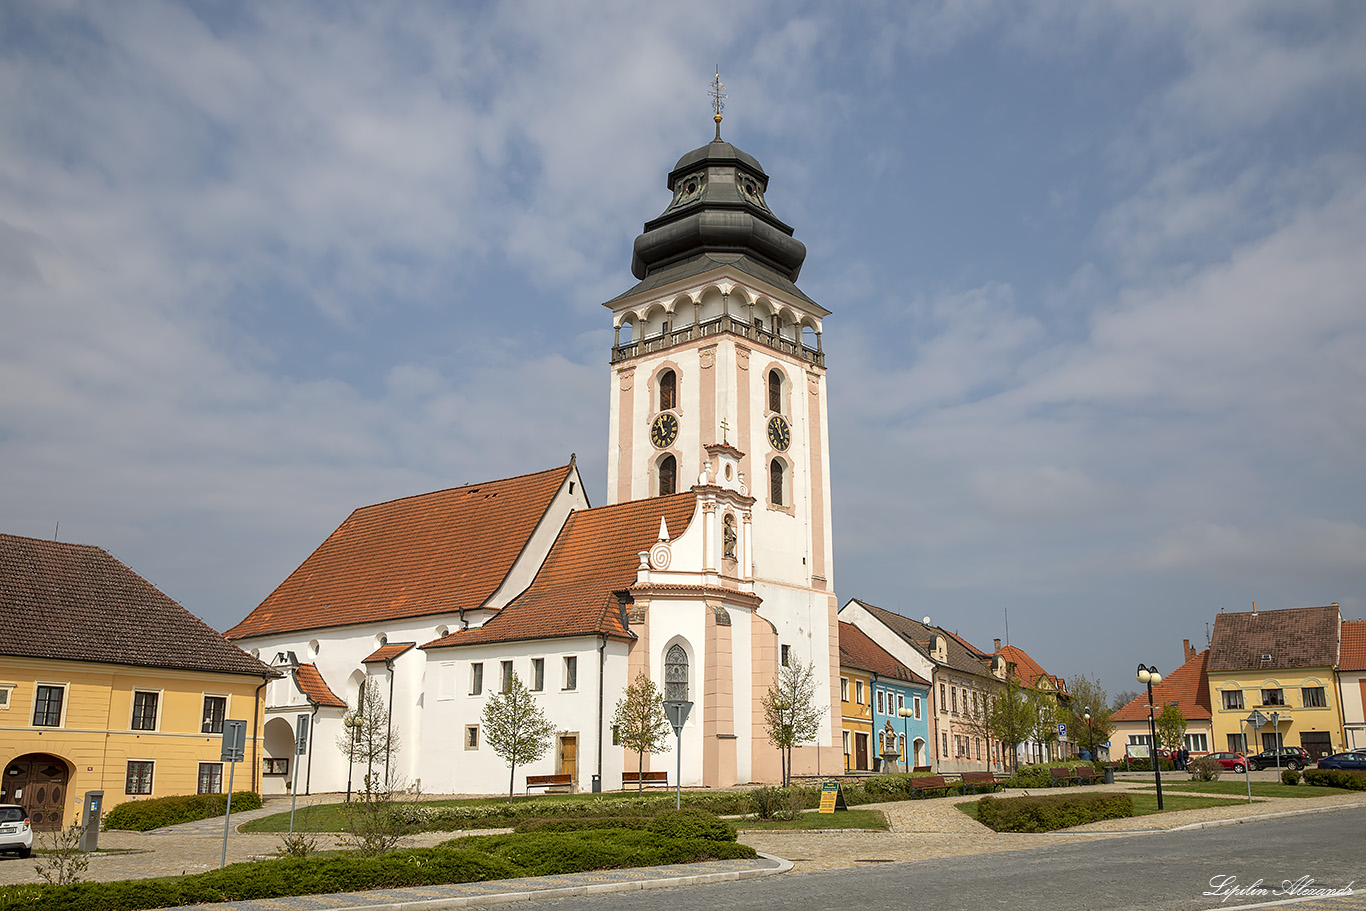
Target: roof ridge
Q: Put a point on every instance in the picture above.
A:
(431, 493)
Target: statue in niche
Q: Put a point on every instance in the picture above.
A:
(728, 537)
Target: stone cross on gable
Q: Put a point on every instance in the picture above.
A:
(724, 427)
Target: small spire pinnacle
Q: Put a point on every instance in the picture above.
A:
(718, 100)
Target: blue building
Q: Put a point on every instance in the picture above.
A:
(899, 697)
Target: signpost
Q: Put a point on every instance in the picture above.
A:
(677, 710)
(1258, 721)
(234, 751)
(1062, 730)
(300, 748)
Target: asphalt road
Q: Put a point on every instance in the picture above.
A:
(1167, 871)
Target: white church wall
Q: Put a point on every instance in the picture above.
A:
(682, 622)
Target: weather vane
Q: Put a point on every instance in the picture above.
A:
(718, 99)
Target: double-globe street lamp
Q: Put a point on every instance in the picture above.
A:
(905, 714)
(1149, 676)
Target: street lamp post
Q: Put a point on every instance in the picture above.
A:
(1149, 676)
(1090, 738)
(905, 714)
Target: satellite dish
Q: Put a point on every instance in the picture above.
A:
(926, 621)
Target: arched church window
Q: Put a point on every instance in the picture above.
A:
(775, 391)
(668, 390)
(668, 476)
(775, 482)
(676, 674)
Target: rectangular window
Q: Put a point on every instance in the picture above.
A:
(211, 778)
(139, 778)
(784, 650)
(1233, 699)
(5, 696)
(1313, 697)
(900, 702)
(616, 736)
(1271, 741)
(476, 678)
(144, 711)
(571, 672)
(916, 703)
(471, 736)
(953, 698)
(978, 741)
(1273, 697)
(880, 709)
(507, 676)
(47, 706)
(1237, 743)
(943, 701)
(445, 681)
(1140, 740)
(946, 741)
(858, 692)
(215, 710)
(846, 749)
(1197, 743)
(537, 674)
(844, 690)
(275, 766)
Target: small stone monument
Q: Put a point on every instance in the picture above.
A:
(891, 756)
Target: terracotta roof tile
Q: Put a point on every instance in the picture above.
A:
(1027, 669)
(1294, 637)
(595, 555)
(77, 602)
(961, 655)
(1187, 686)
(386, 652)
(313, 685)
(1353, 645)
(860, 652)
(430, 554)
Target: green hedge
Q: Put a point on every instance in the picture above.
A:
(1052, 811)
(142, 815)
(1290, 776)
(1041, 775)
(471, 859)
(1336, 778)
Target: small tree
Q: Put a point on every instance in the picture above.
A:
(1009, 716)
(791, 715)
(1044, 710)
(368, 736)
(1171, 726)
(640, 722)
(516, 727)
(1088, 698)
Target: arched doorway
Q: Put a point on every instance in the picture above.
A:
(276, 769)
(920, 752)
(37, 782)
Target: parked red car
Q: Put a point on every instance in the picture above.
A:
(1235, 761)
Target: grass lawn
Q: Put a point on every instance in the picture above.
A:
(1238, 786)
(1144, 804)
(842, 819)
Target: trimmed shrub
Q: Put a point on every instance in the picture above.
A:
(580, 825)
(1052, 811)
(144, 815)
(769, 803)
(1290, 776)
(1205, 769)
(691, 824)
(1336, 778)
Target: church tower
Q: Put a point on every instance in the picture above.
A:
(718, 379)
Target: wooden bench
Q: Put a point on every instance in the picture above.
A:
(977, 780)
(550, 782)
(1088, 774)
(1066, 776)
(923, 783)
(645, 779)
(920, 768)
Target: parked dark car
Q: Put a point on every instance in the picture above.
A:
(1235, 761)
(1289, 758)
(1352, 759)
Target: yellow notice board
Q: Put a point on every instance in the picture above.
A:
(832, 797)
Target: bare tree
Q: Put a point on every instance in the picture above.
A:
(1123, 698)
(516, 727)
(791, 714)
(368, 736)
(640, 722)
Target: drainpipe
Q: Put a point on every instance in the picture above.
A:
(1342, 714)
(389, 728)
(313, 737)
(257, 711)
(602, 673)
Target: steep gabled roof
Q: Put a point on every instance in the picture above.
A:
(595, 556)
(961, 656)
(436, 553)
(1029, 670)
(76, 602)
(1353, 645)
(1187, 686)
(862, 653)
(315, 688)
(1293, 638)
(387, 652)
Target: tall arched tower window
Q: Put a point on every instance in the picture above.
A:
(676, 674)
(668, 476)
(776, 486)
(775, 391)
(668, 390)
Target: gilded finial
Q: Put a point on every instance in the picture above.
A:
(718, 99)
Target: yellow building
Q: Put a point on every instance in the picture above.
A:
(1281, 663)
(108, 684)
(856, 712)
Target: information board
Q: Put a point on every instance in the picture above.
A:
(832, 797)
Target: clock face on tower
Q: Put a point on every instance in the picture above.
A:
(664, 430)
(779, 434)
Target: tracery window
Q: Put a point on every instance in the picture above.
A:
(676, 674)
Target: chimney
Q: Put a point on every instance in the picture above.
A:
(1190, 652)
(998, 644)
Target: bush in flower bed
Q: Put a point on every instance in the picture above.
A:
(500, 814)
(143, 815)
(581, 825)
(1051, 811)
(1041, 775)
(1336, 778)
(1290, 776)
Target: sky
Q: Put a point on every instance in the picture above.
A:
(1096, 271)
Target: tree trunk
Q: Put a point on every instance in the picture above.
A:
(640, 773)
(512, 780)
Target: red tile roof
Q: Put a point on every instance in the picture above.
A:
(1187, 686)
(862, 653)
(1295, 637)
(1353, 645)
(430, 554)
(387, 652)
(313, 685)
(1027, 669)
(962, 655)
(77, 602)
(595, 556)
